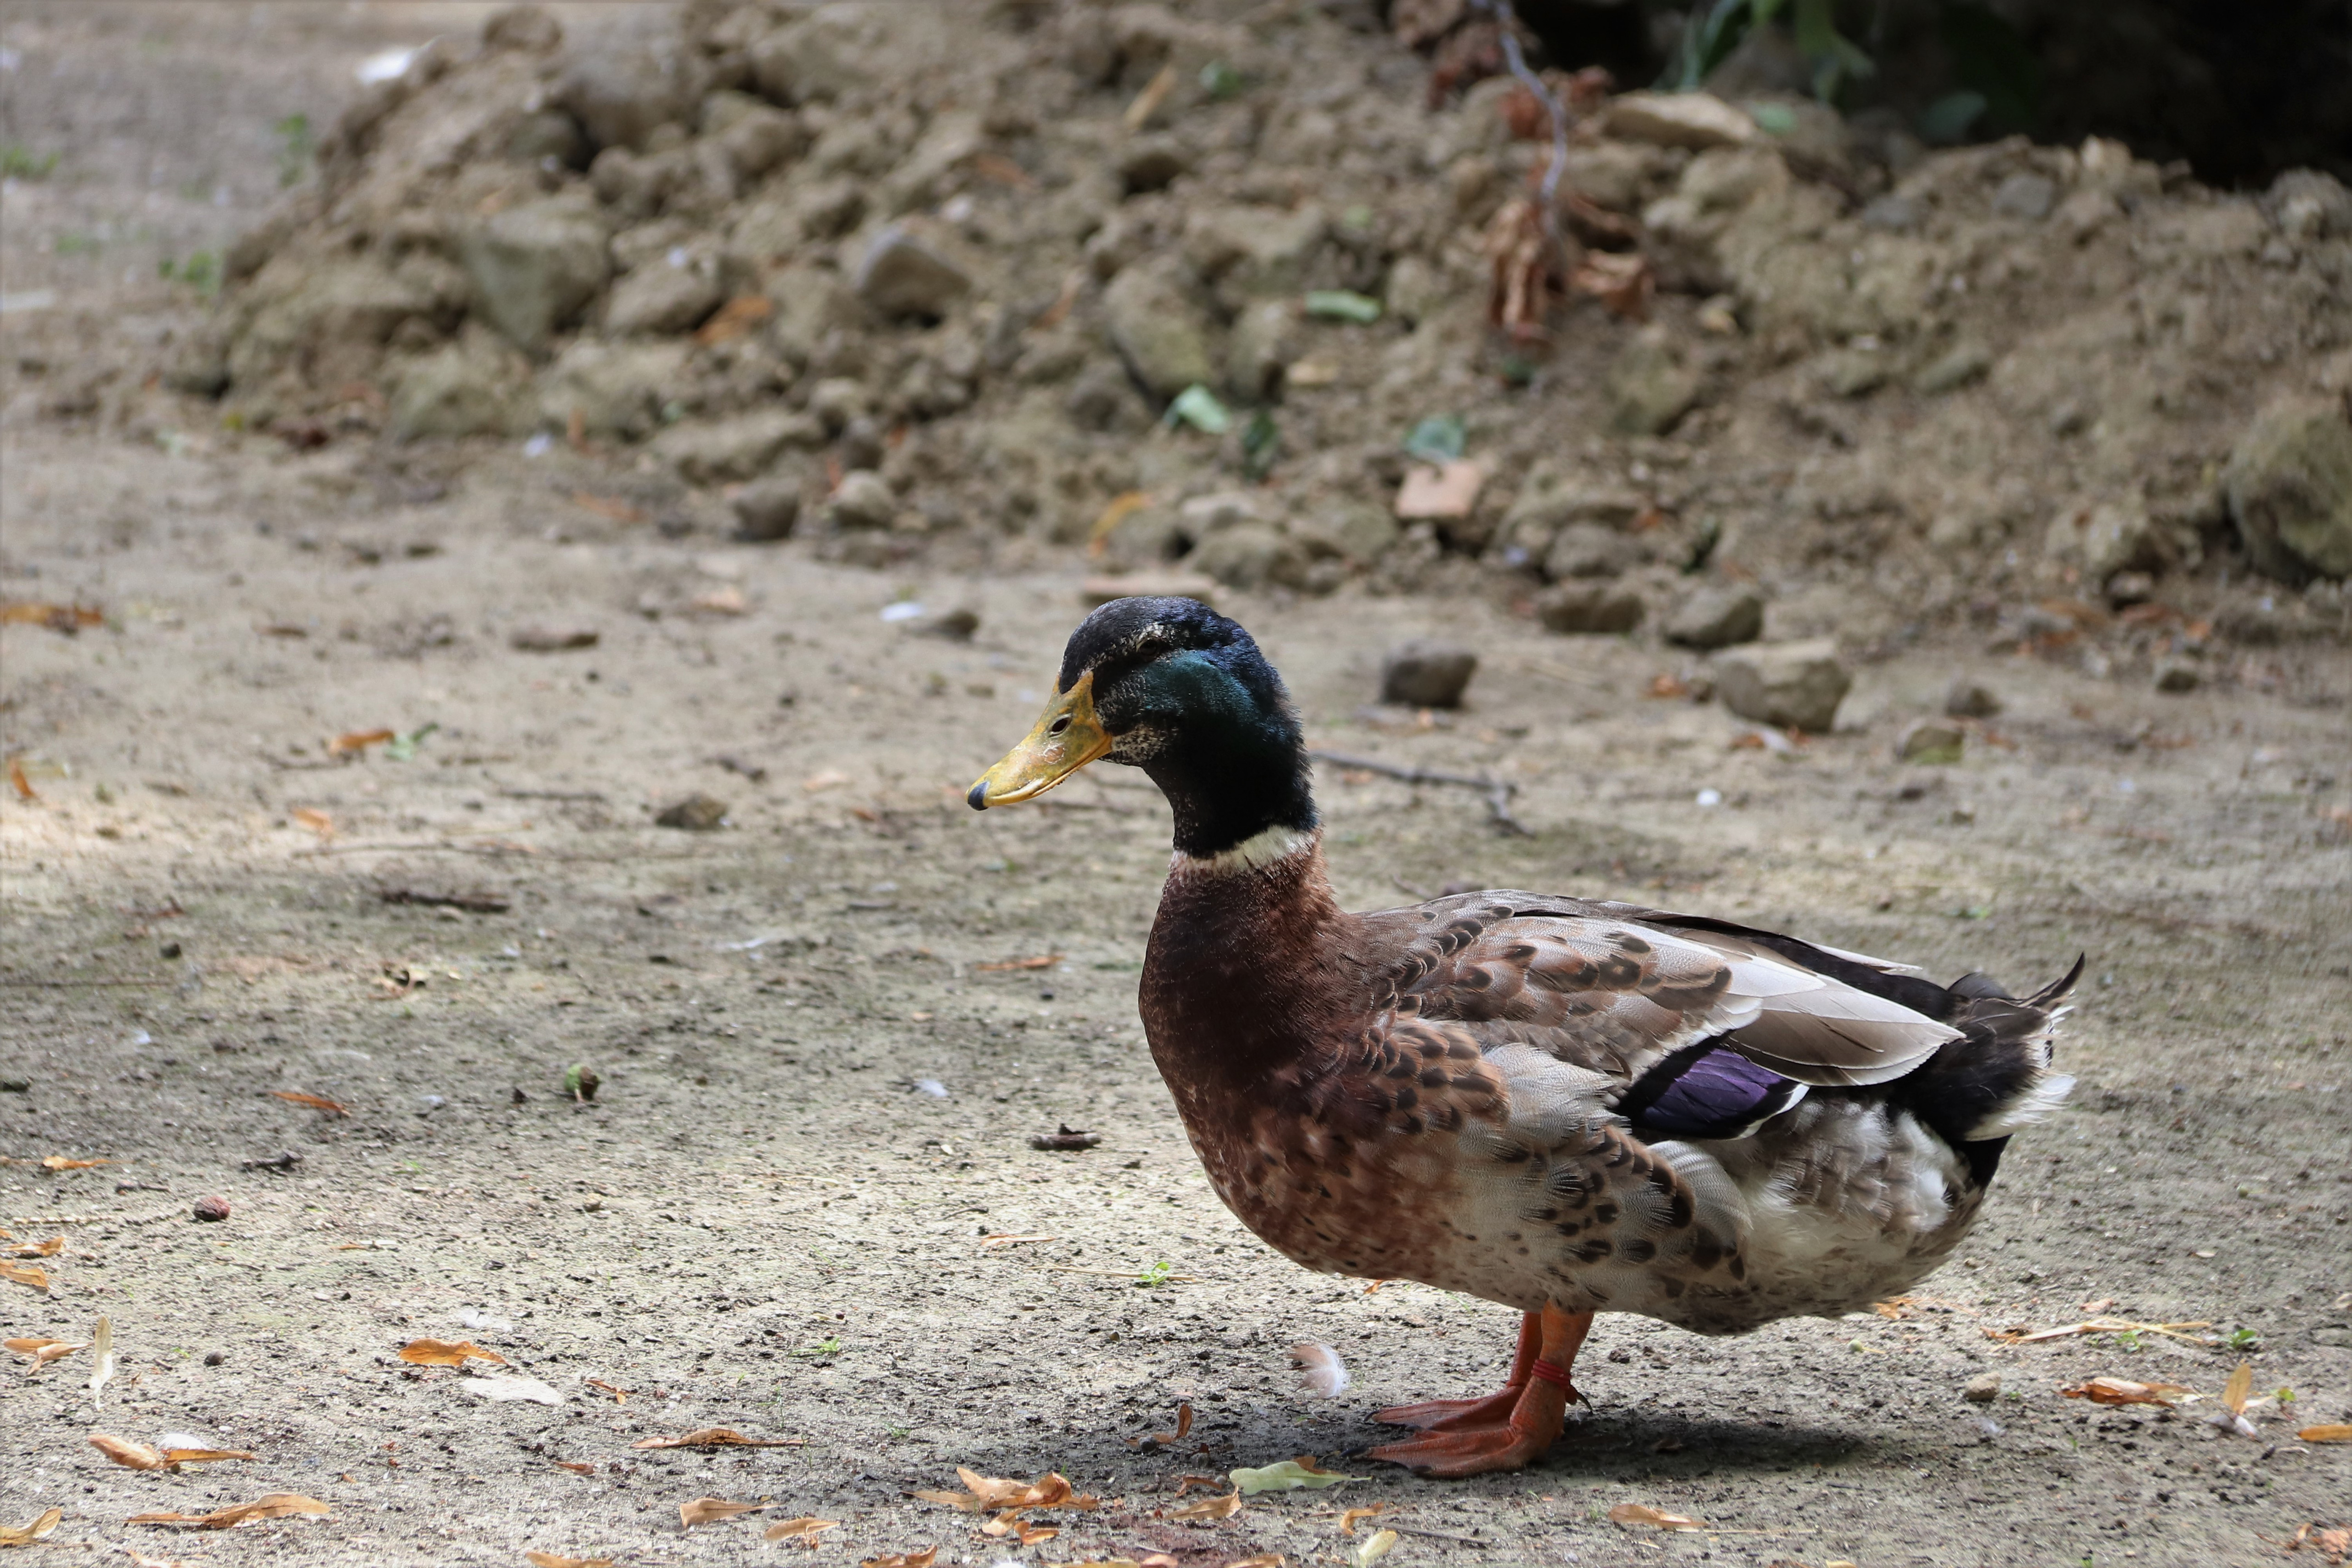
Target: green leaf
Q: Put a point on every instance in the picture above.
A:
(1261, 445)
(1343, 305)
(1950, 118)
(1437, 439)
(1220, 80)
(1289, 1476)
(402, 748)
(1197, 406)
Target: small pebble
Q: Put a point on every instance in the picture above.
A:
(212, 1209)
(216, 1358)
(1982, 1389)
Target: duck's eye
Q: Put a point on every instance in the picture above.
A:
(1059, 725)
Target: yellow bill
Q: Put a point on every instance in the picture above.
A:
(1067, 738)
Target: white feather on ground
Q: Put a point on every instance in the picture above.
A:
(1320, 1370)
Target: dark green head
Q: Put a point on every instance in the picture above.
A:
(1173, 688)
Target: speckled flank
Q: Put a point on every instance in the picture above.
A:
(1462, 1131)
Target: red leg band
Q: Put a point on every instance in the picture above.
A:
(1544, 1372)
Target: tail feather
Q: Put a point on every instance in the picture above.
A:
(1996, 1078)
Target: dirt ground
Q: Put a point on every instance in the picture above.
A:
(819, 1078)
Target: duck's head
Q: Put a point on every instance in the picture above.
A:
(1173, 688)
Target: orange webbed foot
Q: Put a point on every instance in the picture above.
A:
(1446, 1415)
(1471, 1450)
(1505, 1431)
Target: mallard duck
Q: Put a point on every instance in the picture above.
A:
(1563, 1105)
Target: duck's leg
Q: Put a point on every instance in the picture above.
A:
(1442, 1415)
(1512, 1441)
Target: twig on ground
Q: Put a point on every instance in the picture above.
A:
(1498, 792)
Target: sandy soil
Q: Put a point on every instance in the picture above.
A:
(771, 1218)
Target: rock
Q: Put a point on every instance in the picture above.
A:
(1149, 585)
(1695, 120)
(1970, 699)
(1588, 550)
(1151, 164)
(1716, 618)
(1796, 686)
(755, 137)
(673, 293)
(864, 499)
(618, 390)
(550, 639)
(1249, 556)
(1157, 328)
(534, 269)
(1427, 674)
(862, 444)
(1931, 741)
(694, 814)
(461, 389)
(2177, 675)
(1891, 215)
(1648, 388)
(1255, 252)
(832, 50)
(1957, 366)
(620, 95)
(1550, 501)
(1415, 292)
(1103, 399)
(2307, 206)
(549, 133)
(1850, 373)
(903, 275)
(1262, 344)
(766, 509)
(1352, 530)
(839, 401)
(1587, 608)
(524, 29)
(2025, 195)
(212, 1210)
(2289, 482)
(1981, 1389)
(713, 452)
(1147, 536)
(955, 626)
(331, 319)
(2107, 539)
(1445, 493)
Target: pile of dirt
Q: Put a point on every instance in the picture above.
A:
(942, 290)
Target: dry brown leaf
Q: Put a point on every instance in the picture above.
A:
(1043, 960)
(1641, 1513)
(442, 1353)
(174, 1458)
(1350, 1518)
(1120, 508)
(277, 1505)
(315, 1102)
(25, 1274)
(1010, 1240)
(357, 740)
(122, 1451)
(550, 1560)
(2123, 1390)
(49, 1248)
(42, 1351)
(922, 1559)
(613, 509)
(311, 818)
(1031, 1535)
(59, 1162)
(140, 1559)
(1263, 1560)
(716, 1437)
(2241, 1383)
(2103, 1326)
(65, 618)
(1210, 1508)
(2334, 1432)
(620, 1395)
(19, 1534)
(577, 1466)
(734, 320)
(709, 1510)
(1145, 104)
(1157, 1560)
(23, 785)
(804, 1530)
(1623, 280)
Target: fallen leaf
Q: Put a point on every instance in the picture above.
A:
(1209, 1508)
(25, 1274)
(989, 1493)
(735, 319)
(137, 1456)
(59, 1162)
(727, 601)
(507, 1387)
(1623, 280)
(550, 1560)
(277, 1505)
(1031, 1535)
(1043, 960)
(316, 821)
(831, 778)
(1350, 1518)
(19, 1534)
(804, 1530)
(1263, 1560)
(620, 1395)
(1009, 1239)
(140, 1559)
(42, 1351)
(357, 741)
(1320, 1370)
(1641, 1513)
(442, 1353)
(2102, 1326)
(576, 1467)
(1288, 1475)
(2331, 1433)
(2123, 1390)
(1668, 687)
(314, 1102)
(542, 639)
(1377, 1546)
(709, 1509)
(49, 1248)
(2241, 1383)
(1145, 104)
(718, 1437)
(65, 618)
(902, 1559)
(23, 785)
(1120, 508)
